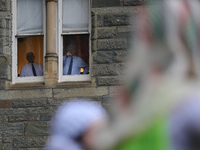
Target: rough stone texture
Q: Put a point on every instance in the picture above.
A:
(6, 146)
(29, 142)
(19, 118)
(3, 5)
(80, 92)
(12, 133)
(11, 126)
(5, 103)
(7, 140)
(105, 70)
(45, 117)
(111, 44)
(28, 103)
(117, 20)
(7, 111)
(37, 129)
(3, 23)
(5, 71)
(102, 57)
(18, 94)
(3, 119)
(105, 3)
(2, 84)
(106, 32)
(120, 56)
(108, 81)
(55, 101)
(40, 110)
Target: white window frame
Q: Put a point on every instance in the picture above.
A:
(15, 78)
(65, 78)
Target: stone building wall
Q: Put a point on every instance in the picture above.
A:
(25, 112)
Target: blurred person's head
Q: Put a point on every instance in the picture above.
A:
(74, 124)
(30, 57)
(71, 50)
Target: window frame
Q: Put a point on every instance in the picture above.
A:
(60, 33)
(15, 36)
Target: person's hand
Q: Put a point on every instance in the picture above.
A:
(69, 54)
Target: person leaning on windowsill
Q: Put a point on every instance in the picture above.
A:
(72, 64)
(32, 68)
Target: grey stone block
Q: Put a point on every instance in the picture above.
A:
(12, 133)
(2, 84)
(106, 32)
(120, 56)
(40, 110)
(19, 118)
(102, 57)
(80, 92)
(29, 142)
(45, 117)
(4, 32)
(29, 103)
(105, 70)
(108, 81)
(7, 140)
(3, 60)
(5, 146)
(3, 119)
(5, 71)
(2, 23)
(96, 98)
(11, 111)
(112, 44)
(25, 94)
(3, 5)
(11, 126)
(117, 19)
(55, 101)
(37, 129)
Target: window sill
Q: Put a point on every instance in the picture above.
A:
(35, 85)
(41, 85)
(73, 84)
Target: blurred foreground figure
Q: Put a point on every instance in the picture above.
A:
(73, 125)
(159, 105)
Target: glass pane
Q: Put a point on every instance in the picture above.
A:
(75, 54)
(29, 16)
(30, 56)
(75, 15)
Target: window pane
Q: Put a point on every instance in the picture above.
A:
(76, 47)
(75, 15)
(30, 52)
(29, 16)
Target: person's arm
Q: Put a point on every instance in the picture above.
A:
(64, 60)
(84, 66)
(22, 72)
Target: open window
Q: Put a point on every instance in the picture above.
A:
(74, 40)
(28, 41)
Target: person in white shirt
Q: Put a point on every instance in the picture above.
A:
(72, 64)
(32, 68)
